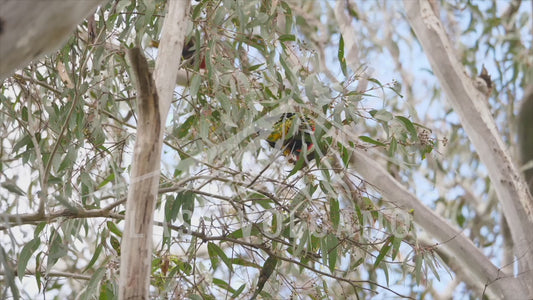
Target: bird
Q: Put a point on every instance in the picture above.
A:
(483, 82)
(189, 54)
(292, 132)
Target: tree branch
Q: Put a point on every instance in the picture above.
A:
(31, 29)
(462, 248)
(478, 123)
(136, 247)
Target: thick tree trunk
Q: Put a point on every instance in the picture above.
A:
(136, 248)
(154, 100)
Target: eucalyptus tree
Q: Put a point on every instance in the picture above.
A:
(130, 171)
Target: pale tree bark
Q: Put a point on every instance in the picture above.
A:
(473, 261)
(154, 100)
(470, 261)
(472, 109)
(31, 29)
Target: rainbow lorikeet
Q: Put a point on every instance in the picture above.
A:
(293, 132)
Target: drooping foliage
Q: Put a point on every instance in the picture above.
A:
(228, 201)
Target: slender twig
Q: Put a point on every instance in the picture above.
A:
(54, 274)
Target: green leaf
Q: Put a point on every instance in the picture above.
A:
(359, 213)
(357, 263)
(115, 244)
(224, 285)
(374, 80)
(243, 262)
(8, 275)
(113, 228)
(340, 56)
(172, 207)
(346, 154)
(310, 88)
(69, 159)
(194, 87)
(246, 231)
(257, 42)
(213, 256)
(393, 147)
(370, 140)
(213, 250)
(56, 250)
(396, 243)
(431, 263)
(383, 252)
(38, 273)
(25, 141)
(300, 163)
(86, 180)
(107, 291)
(93, 284)
(25, 255)
(39, 229)
(299, 202)
(107, 180)
(288, 72)
(334, 212)
(238, 291)
(385, 269)
(418, 267)
(94, 258)
(299, 245)
(287, 37)
(460, 218)
(409, 126)
(333, 253)
(261, 199)
(185, 127)
(187, 204)
(12, 187)
(260, 19)
(254, 67)
(383, 115)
